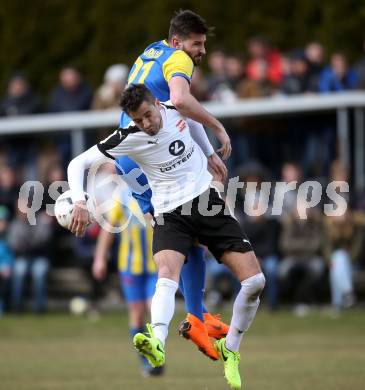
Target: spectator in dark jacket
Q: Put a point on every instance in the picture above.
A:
(72, 94)
(263, 234)
(314, 54)
(31, 245)
(20, 99)
(297, 81)
(302, 243)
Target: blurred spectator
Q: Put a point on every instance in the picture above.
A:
(6, 257)
(291, 172)
(297, 81)
(54, 173)
(338, 76)
(217, 73)
(72, 94)
(360, 68)
(84, 249)
(259, 86)
(253, 174)
(226, 71)
(31, 245)
(338, 172)
(302, 268)
(314, 54)
(235, 70)
(344, 247)
(109, 93)
(20, 99)
(263, 233)
(47, 158)
(260, 49)
(9, 188)
(198, 86)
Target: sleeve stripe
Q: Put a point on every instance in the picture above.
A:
(169, 107)
(115, 139)
(181, 75)
(103, 150)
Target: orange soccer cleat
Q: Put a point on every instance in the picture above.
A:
(215, 327)
(193, 329)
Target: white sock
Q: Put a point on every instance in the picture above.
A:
(244, 310)
(163, 307)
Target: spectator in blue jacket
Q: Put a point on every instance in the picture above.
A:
(6, 256)
(338, 76)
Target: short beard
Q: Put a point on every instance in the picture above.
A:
(197, 62)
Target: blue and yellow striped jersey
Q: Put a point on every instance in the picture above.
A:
(135, 248)
(155, 67)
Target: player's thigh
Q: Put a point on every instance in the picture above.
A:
(169, 264)
(242, 265)
(173, 231)
(172, 240)
(221, 232)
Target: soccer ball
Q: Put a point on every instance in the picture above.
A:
(78, 306)
(64, 206)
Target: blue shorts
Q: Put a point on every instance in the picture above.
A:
(137, 287)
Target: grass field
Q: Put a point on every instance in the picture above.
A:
(281, 352)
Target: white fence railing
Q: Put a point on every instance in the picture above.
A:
(341, 103)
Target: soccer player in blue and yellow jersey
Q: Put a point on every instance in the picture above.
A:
(137, 270)
(166, 68)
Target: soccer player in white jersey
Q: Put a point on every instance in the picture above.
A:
(166, 68)
(183, 200)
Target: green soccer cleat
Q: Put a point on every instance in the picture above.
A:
(231, 360)
(150, 347)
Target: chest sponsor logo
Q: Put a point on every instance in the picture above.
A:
(181, 124)
(177, 161)
(177, 148)
(153, 53)
(154, 142)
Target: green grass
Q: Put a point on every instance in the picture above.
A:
(280, 352)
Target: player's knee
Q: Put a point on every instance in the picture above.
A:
(254, 286)
(169, 266)
(165, 271)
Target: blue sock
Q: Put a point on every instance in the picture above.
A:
(133, 332)
(192, 283)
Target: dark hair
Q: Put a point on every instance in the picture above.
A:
(185, 22)
(134, 96)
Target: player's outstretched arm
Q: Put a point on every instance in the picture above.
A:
(80, 217)
(187, 105)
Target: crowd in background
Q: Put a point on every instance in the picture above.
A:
(297, 255)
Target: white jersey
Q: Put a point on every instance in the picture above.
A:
(173, 162)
